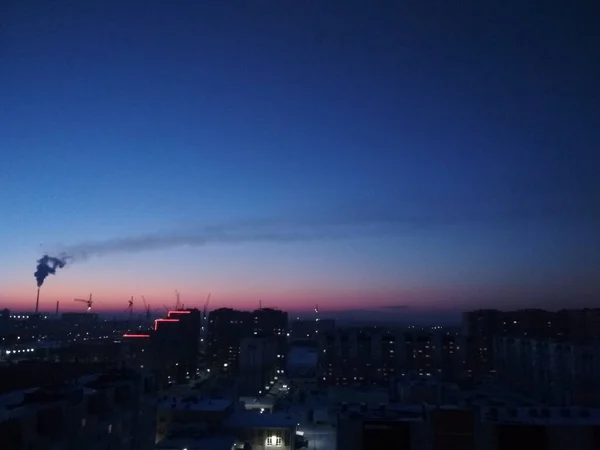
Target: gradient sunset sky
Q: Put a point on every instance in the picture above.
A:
(425, 157)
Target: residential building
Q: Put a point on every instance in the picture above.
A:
(258, 363)
(115, 410)
(204, 413)
(364, 428)
(302, 366)
(175, 344)
(444, 427)
(309, 329)
(226, 329)
(262, 431)
(188, 439)
(543, 428)
(374, 356)
(361, 356)
(193, 422)
(482, 327)
(553, 372)
(273, 323)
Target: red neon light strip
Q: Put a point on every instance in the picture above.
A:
(163, 320)
(179, 312)
(136, 335)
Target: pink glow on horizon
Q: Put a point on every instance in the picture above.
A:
(294, 299)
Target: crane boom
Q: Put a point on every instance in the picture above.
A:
(88, 302)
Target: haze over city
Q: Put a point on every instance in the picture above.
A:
(405, 161)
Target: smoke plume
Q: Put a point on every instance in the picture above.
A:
(47, 265)
(359, 220)
(201, 237)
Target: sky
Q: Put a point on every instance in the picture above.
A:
(390, 159)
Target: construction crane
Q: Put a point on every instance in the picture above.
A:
(88, 302)
(130, 310)
(177, 300)
(146, 308)
(130, 306)
(148, 311)
(204, 310)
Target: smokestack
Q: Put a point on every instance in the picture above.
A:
(37, 302)
(57, 308)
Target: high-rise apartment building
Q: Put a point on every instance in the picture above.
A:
(482, 327)
(309, 329)
(376, 355)
(175, 344)
(552, 372)
(362, 356)
(228, 327)
(258, 364)
(273, 323)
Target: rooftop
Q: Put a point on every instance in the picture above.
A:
(196, 443)
(194, 402)
(541, 415)
(250, 419)
(17, 402)
(358, 395)
(412, 413)
(31, 374)
(258, 402)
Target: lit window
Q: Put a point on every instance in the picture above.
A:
(274, 441)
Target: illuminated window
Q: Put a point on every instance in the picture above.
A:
(274, 441)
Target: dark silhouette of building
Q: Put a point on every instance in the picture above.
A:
(373, 356)
(482, 327)
(176, 344)
(272, 323)
(228, 327)
(81, 408)
(309, 329)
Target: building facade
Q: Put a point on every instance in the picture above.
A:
(374, 356)
(227, 328)
(258, 364)
(115, 410)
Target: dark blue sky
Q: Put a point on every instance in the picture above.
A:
(474, 131)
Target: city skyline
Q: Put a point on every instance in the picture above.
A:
(404, 160)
